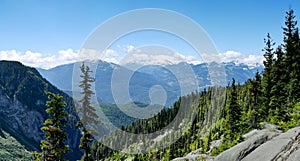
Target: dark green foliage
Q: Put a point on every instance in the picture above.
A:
(251, 102)
(89, 116)
(233, 115)
(116, 116)
(292, 55)
(281, 78)
(279, 91)
(54, 147)
(205, 116)
(268, 63)
(290, 31)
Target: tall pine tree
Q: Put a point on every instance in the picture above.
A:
(294, 83)
(267, 77)
(256, 114)
(279, 89)
(292, 52)
(54, 147)
(289, 39)
(233, 112)
(89, 116)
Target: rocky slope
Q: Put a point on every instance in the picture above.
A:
(268, 144)
(22, 106)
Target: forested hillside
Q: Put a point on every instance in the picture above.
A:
(22, 106)
(220, 113)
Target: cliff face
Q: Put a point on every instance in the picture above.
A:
(22, 106)
(18, 120)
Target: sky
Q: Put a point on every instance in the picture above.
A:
(49, 33)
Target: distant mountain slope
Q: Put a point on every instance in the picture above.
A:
(140, 83)
(22, 106)
(59, 76)
(148, 76)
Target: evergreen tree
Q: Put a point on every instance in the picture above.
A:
(54, 147)
(292, 56)
(289, 32)
(294, 83)
(279, 89)
(89, 116)
(233, 112)
(255, 92)
(267, 77)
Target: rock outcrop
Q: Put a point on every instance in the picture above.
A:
(283, 147)
(268, 144)
(241, 150)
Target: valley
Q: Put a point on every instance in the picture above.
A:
(135, 90)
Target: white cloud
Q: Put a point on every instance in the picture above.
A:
(229, 56)
(153, 55)
(39, 60)
(67, 55)
(139, 56)
(253, 59)
(134, 55)
(126, 48)
(192, 59)
(108, 55)
(30, 58)
(241, 58)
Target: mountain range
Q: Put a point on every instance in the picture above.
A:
(169, 77)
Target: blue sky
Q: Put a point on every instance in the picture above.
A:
(47, 27)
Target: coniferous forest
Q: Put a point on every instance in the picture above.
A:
(226, 113)
(216, 113)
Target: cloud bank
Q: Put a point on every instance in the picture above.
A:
(40, 60)
(241, 58)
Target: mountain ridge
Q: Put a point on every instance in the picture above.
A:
(22, 102)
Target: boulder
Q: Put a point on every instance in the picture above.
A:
(267, 144)
(255, 139)
(283, 147)
(194, 157)
(268, 126)
(213, 144)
